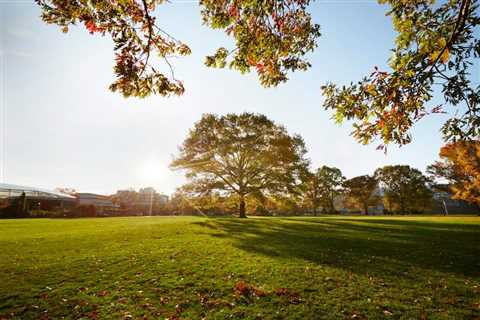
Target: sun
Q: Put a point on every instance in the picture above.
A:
(152, 171)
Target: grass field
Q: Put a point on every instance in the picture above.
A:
(257, 268)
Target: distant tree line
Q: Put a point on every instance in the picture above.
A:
(399, 189)
(245, 163)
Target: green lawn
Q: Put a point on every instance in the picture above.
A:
(257, 268)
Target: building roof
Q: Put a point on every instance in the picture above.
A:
(91, 195)
(11, 190)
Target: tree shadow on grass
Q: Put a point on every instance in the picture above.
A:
(384, 246)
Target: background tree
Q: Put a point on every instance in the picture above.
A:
(460, 166)
(180, 204)
(310, 188)
(244, 154)
(271, 36)
(405, 188)
(329, 182)
(286, 204)
(436, 49)
(125, 199)
(360, 191)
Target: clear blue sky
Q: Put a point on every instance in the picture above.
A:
(62, 127)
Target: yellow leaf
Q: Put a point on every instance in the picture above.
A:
(433, 56)
(442, 42)
(371, 89)
(445, 56)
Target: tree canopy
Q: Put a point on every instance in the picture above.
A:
(360, 191)
(245, 154)
(460, 166)
(435, 50)
(405, 188)
(327, 183)
(310, 189)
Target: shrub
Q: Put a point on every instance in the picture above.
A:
(84, 211)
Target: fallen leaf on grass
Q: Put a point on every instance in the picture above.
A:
(178, 308)
(358, 316)
(208, 303)
(122, 300)
(259, 292)
(102, 293)
(150, 307)
(293, 297)
(241, 289)
(281, 291)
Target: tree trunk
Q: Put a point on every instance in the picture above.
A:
(332, 206)
(242, 207)
(401, 204)
(314, 210)
(365, 207)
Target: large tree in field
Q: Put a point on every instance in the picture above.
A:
(436, 48)
(244, 154)
(405, 188)
(460, 166)
(361, 191)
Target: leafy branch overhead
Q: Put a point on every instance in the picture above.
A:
(136, 36)
(271, 36)
(435, 48)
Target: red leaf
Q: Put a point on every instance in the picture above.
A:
(241, 288)
(92, 27)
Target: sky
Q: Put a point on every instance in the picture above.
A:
(62, 127)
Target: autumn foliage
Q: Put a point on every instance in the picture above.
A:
(271, 37)
(436, 46)
(460, 166)
(435, 49)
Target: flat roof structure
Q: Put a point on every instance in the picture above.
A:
(14, 191)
